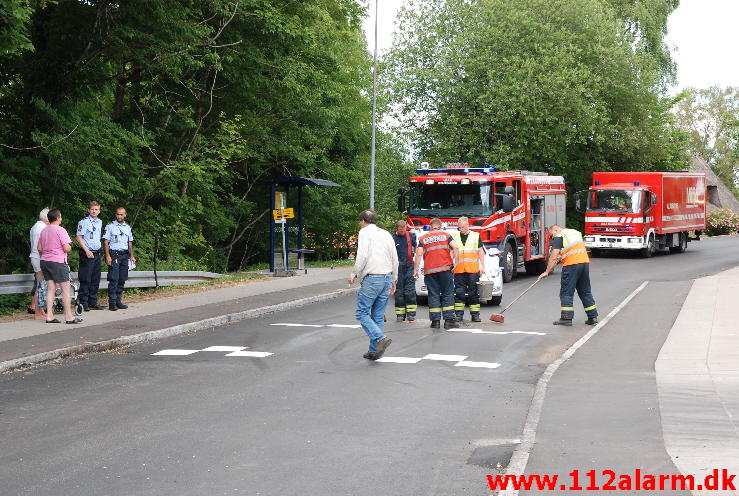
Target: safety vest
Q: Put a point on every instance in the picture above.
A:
(573, 248)
(437, 256)
(469, 253)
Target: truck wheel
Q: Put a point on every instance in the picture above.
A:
(535, 267)
(650, 249)
(682, 243)
(509, 262)
(495, 300)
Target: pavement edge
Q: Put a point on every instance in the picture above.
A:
(100, 346)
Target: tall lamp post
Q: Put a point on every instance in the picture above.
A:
(374, 119)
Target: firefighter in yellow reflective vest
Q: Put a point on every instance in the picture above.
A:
(568, 247)
(467, 272)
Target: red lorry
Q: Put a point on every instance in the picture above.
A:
(510, 209)
(644, 211)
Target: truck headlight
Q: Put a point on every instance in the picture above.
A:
(635, 240)
(589, 238)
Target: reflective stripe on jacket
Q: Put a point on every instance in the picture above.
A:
(573, 248)
(469, 253)
(437, 255)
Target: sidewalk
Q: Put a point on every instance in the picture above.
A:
(29, 341)
(698, 380)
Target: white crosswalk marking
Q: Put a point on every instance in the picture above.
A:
(486, 365)
(460, 359)
(175, 352)
(480, 331)
(256, 354)
(445, 358)
(399, 360)
(225, 348)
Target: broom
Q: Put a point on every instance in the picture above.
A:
(498, 317)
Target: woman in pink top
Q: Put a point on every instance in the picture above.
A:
(53, 245)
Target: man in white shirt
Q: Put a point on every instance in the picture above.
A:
(35, 257)
(376, 266)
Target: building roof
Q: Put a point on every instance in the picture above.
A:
(719, 196)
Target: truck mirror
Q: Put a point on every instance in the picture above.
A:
(578, 204)
(401, 202)
(654, 198)
(508, 204)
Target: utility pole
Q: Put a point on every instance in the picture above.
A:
(374, 119)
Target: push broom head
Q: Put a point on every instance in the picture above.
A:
(497, 317)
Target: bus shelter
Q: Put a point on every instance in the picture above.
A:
(282, 193)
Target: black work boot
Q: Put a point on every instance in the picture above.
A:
(592, 321)
(112, 306)
(563, 322)
(459, 316)
(476, 318)
(451, 324)
(399, 318)
(411, 317)
(121, 305)
(435, 324)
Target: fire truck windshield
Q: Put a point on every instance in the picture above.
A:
(614, 200)
(450, 200)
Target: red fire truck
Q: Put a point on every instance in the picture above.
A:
(644, 211)
(510, 210)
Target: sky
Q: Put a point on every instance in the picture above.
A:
(703, 36)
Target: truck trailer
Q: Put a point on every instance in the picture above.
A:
(644, 211)
(509, 209)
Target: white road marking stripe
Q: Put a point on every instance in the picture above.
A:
(225, 348)
(480, 331)
(175, 352)
(445, 358)
(520, 458)
(347, 326)
(398, 360)
(257, 354)
(485, 365)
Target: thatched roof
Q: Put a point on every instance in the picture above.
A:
(719, 196)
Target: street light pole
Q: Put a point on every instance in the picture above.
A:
(374, 119)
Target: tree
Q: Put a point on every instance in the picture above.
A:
(710, 117)
(549, 85)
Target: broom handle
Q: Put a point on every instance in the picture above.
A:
(517, 297)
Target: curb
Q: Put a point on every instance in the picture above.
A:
(110, 344)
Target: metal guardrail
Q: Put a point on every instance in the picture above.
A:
(22, 283)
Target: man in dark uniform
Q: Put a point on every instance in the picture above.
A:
(405, 292)
(89, 230)
(568, 247)
(118, 243)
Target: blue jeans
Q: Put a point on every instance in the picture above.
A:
(371, 302)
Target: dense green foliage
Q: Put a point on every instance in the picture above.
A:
(722, 221)
(710, 117)
(180, 111)
(562, 86)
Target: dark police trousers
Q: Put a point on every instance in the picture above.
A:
(576, 277)
(117, 275)
(466, 293)
(405, 291)
(89, 277)
(440, 286)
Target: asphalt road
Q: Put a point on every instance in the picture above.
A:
(313, 417)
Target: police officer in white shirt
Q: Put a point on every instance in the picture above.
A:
(118, 244)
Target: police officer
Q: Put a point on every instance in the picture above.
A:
(405, 292)
(568, 247)
(439, 252)
(467, 271)
(89, 230)
(118, 243)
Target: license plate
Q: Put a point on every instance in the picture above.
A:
(610, 245)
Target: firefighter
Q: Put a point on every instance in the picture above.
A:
(439, 252)
(471, 264)
(568, 247)
(405, 292)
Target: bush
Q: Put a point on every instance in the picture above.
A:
(722, 221)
